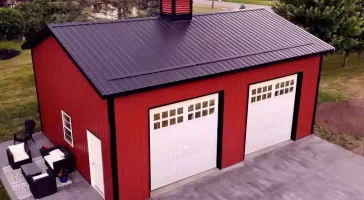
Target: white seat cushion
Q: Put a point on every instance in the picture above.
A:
(40, 176)
(18, 152)
(50, 159)
(57, 152)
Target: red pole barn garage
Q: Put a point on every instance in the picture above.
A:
(153, 101)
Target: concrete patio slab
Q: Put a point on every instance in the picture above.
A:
(308, 169)
(80, 189)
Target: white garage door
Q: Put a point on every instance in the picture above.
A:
(270, 113)
(183, 139)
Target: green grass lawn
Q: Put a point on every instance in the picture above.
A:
(256, 2)
(3, 194)
(206, 9)
(18, 98)
(338, 83)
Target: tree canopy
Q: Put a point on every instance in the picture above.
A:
(340, 23)
(38, 13)
(360, 47)
(11, 23)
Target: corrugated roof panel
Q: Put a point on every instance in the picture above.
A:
(127, 55)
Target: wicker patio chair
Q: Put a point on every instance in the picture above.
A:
(26, 133)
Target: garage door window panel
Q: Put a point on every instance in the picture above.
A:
(157, 116)
(164, 114)
(168, 118)
(195, 110)
(172, 113)
(261, 93)
(205, 104)
(180, 119)
(198, 106)
(157, 125)
(172, 121)
(164, 123)
(212, 102)
(284, 87)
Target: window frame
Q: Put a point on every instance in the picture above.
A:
(64, 126)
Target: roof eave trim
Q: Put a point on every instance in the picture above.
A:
(36, 38)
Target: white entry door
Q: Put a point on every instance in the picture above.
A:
(270, 113)
(183, 139)
(96, 168)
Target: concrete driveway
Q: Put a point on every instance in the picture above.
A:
(310, 169)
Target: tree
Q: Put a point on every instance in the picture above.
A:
(11, 23)
(132, 8)
(33, 17)
(360, 47)
(124, 7)
(38, 13)
(334, 21)
(148, 7)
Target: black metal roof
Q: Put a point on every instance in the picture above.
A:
(128, 55)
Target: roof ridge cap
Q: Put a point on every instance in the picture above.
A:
(229, 11)
(103, 22)
(143, 18)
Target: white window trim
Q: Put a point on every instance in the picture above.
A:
(65, 127)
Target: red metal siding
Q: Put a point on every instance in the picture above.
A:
(183, 6)
(166, 6)
(61, 86)
(131, 115)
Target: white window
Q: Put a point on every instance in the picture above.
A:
(67, 128)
